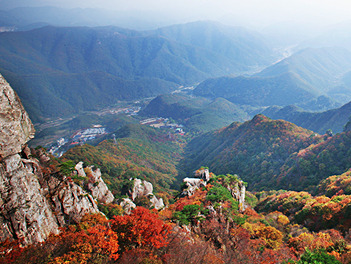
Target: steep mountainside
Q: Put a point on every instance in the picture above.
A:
(306, 168)
(255, 150)
(197, 114)
(248, 48)
(271, 154)
(320, 122)
(343, 89)
(81, 68)
(281, 90)
(319, 68)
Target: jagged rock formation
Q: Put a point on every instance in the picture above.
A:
(96, 184)
(127, 205)
(238, 193)
(192, 184)
(32, 205)
(202, 174)
(144, 188)
(16, 127)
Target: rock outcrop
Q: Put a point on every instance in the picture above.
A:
(127, 205)
(96, 184)
(16, 127)
(33, 206)
(192, 184)
(145, 189)
(238, 192)
(203, 174)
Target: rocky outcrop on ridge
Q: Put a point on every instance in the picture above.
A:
(96, 185)
(192, 184)
(202, 176)
(238, 192)
(127, 205)
(16, 127)
(145, 189)
(33, 205)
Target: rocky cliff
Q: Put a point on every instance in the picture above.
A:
(33, 204)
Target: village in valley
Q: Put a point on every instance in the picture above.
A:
(80, 137)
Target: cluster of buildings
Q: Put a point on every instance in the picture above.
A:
(127, 110)
(88, 134)
(161, 122)
(79, 137)
(56, 149)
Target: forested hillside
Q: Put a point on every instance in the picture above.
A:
(196, 114)
(320, 68)
(61, 71)
(270, 154)
(320, 122)
(141, 152)
(248, 48)
(281, 90)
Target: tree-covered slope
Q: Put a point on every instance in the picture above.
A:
(141, 152)
(271, 154)
(281, 90)
(318, 67)
(61, 94)
(320, 122)
(74, 66)
(248, 48)
(304, 169)
(196, 113)
(255, 150)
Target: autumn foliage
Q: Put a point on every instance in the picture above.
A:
(94, 240)
(142, 228)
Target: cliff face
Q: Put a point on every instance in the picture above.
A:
(16, 127)
(32, 205)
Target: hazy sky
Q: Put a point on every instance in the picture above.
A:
(254, 11)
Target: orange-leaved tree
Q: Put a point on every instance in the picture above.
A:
(91, 241)
(141, 228)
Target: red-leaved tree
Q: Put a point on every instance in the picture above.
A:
(142, 228)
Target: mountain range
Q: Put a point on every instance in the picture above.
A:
(313, 79)
(319, 67)
(80, 68)
(281, 90)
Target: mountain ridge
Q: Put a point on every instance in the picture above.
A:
(122, 53)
